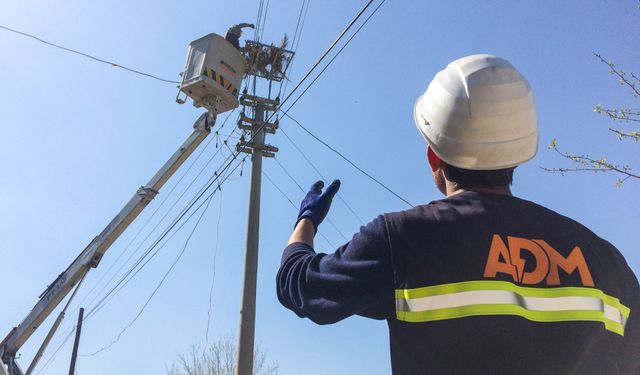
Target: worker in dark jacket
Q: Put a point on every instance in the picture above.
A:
(480, 282)
(235, 32)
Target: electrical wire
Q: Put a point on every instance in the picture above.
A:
(322, 57)
(235, 155)
(213, 274)
(206, 201)
(264, 21)
(166, 197)
(115, 65)
(304, 192)
(139, 265)
(294, 205)
(334, 56)
(159, 222)
(319, 75)
(202, 191)
(173, 205)
(147, 222)
(176, 260)
(294, 44)
(49, 361)
(256, 32)
(349, 161)
(304, 156)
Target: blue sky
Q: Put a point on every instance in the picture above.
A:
(79, 137)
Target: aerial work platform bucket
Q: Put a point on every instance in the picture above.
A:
(213, 74)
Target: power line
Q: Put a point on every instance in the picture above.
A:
(335, 56)
(115, 65)
(145, 224)
(64, 341)
(293, 204)
(184, 248)
(349, 161)
(166, 197)
(213, 274)
(264, 20)
(99, 305)
(235, 155)
(207, 201)
(137, 267)
(316, 78)
(177, 200)
(304, 156)
(134, 270)
(297, 35)
(151, 232)
(315, 65)
(304, 192)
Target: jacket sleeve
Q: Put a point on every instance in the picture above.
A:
(356, 279)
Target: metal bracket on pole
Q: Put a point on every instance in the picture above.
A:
(252, 101)
(268, 151)
(248, 123)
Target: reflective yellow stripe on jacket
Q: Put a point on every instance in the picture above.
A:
(474, 298)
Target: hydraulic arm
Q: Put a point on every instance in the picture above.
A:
(90, 257)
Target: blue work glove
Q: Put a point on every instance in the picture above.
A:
(315, 205)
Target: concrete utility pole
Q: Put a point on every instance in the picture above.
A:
(277, 60)
(248, 312)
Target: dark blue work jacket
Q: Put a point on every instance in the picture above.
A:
(477, 284)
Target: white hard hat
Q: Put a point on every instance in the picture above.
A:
(479, 114)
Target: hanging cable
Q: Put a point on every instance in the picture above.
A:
(294, 206)
(235, 155)
(350, 162)
(330, 61)
(155, 290)
(320, 59)
(264, 19)
(68, 336)
(304, 156)
(166, 197)
(146, 257)
(207, 201)
(304, 192)
(153, 214)
(87, 55)
(294, 44)
(213, 274)
(156, 226)
(256, 32)
(64, 341)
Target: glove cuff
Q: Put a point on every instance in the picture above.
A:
(308, 215)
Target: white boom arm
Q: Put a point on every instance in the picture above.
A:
(92, 254)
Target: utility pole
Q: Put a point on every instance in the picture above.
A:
(278, 59)
(248, 311)
(76, 343)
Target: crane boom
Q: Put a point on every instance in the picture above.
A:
(90, 257)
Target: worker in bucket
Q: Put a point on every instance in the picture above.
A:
(235, 32)
(480, 282)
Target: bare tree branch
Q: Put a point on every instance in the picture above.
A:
(589, 164)
(622, 75)
(633, 134)
(619, 114)
(218, 359)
